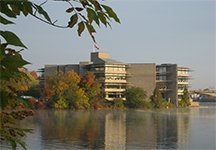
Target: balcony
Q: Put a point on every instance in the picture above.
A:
(115, 71)
(113, 90)
(115, 81)
(180, 91)
(111, 99)
(183, 75)
(183, 82)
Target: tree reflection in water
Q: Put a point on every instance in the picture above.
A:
(109, 130)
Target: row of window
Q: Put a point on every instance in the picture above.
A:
(114, 95)
(161, 78)
(182, 80)
(114, 69)
(115, 87)
(109, 69)
(161, 69)
(115, 78)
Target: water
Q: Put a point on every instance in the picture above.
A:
(188, 128)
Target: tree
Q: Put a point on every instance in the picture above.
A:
(77, 98)
(84, 13)
(64, 91)
(157, 99)
(185, 101)
(91, 87)
(61, 103)
(30, 86)
(136, 97)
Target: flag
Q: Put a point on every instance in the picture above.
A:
(95, 47)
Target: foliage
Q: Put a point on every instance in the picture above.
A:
(83, 13)
(91, 87)
(118, 103)
(136, 97)
(30, 85)
(157, 99)
(185, 101)
(66, 88)
(9, 131)
(77, 99)
(61, 103)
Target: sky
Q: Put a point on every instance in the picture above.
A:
(182, 32)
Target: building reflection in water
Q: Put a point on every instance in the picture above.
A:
(115, 131)
(156, 129)
(110, 130)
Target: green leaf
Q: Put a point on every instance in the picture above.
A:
(79, 8)
(92, 15)
(97, 5)
(13, 61)
(3, 97)
(13, 144)
(90, 28)
(22, 144)
(69, 10)
(102, 18)
(111, 13)
(11, 38)
(81, 28)
(15, 8)
(6, 10)
(27, 8)
(84, 3)
(73, 21)
(43, 12)
(5, 21)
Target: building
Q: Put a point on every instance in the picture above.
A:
(172, 80)
(116, 76)
(142, 75)
(110, 73)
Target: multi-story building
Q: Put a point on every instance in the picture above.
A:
(110, 73)
(171, 81)
(182, 80)
(116, 76)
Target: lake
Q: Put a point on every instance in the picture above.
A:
(187, 128)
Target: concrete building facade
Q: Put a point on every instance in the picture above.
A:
(142, 75)
(116, 76)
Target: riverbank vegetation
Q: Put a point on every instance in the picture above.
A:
(71, 91)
